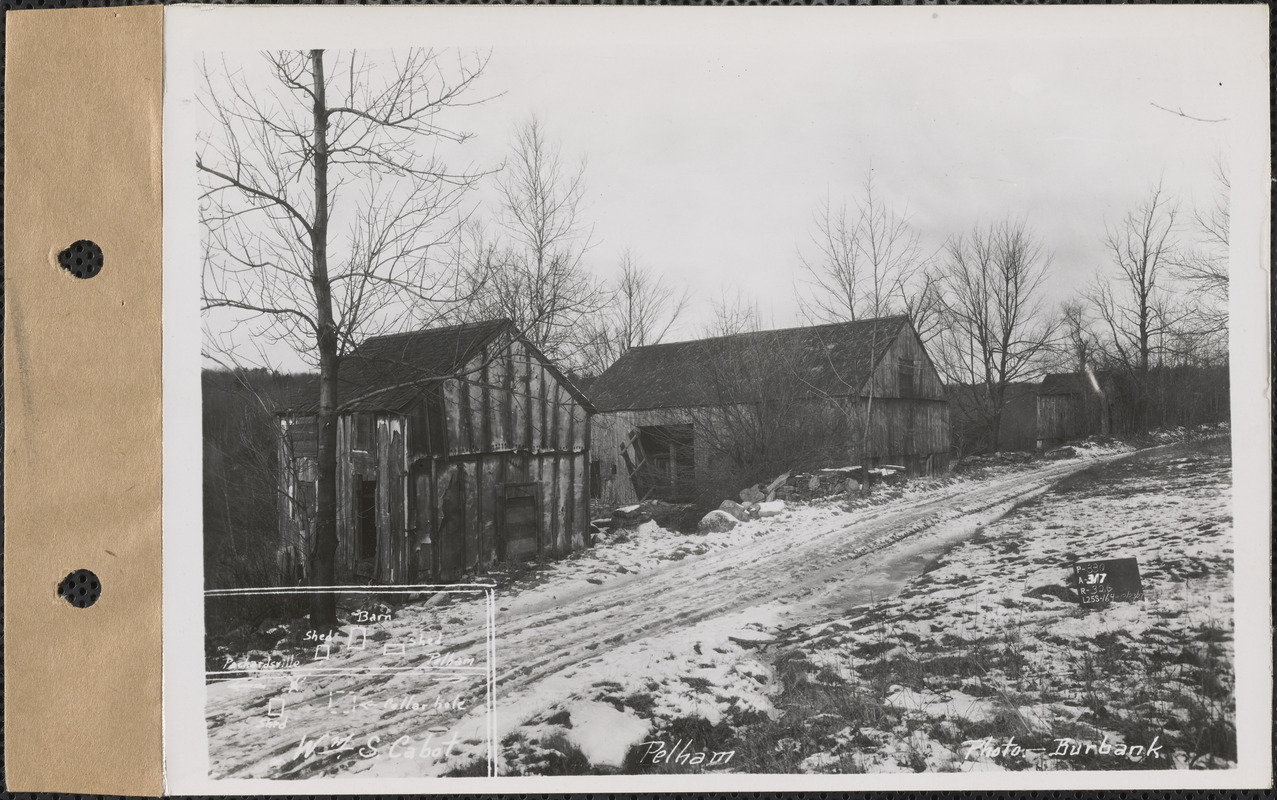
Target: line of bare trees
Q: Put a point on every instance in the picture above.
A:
(980, 300)
(333, 210)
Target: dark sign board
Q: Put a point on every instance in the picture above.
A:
(1113, 579)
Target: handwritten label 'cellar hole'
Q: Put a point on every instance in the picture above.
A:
(402, 682)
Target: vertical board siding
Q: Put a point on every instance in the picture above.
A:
(581, 486)
(885, 381)
(497, 402)
(507, 419)
(521, 440)
(490, 478)
(423, 541)
(470, 497)
(544, 469)
(563, 503)
(542, 440)
(911, 430)
(452, 419)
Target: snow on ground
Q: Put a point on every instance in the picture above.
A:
(742, 641)
(990, 643)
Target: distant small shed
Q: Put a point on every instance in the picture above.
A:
(457, 447)
(1072, 406)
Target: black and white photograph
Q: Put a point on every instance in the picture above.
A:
(845, 395)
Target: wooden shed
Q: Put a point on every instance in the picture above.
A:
(1072, 406)
(683, 421)
(458, 447)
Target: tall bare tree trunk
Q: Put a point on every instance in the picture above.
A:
(323, 607)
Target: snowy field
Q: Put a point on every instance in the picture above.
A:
(988, 662)
(813, 642)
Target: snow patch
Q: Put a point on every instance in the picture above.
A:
(771, 509)
(604, 734)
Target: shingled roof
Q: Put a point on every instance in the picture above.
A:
(388, 373)
(834, 360)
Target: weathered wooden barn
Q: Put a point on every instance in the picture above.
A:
(458, 447)
(1072, 406)
(688, 421)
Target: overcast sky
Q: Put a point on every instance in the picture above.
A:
(710, 161)
(708, 156)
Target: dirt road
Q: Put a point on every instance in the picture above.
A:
(811, 565)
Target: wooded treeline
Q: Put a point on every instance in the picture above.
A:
(242, 473)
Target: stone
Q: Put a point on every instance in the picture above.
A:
(752, 495)
(735, 509)
(813, 485)
(780, 481)
(853, 485)
(771, 509)
(716, 522)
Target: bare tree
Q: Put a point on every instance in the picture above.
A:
(1078, 343)
(300, 143)
(996, 332)
(642, 307)
(868, 262)
(1203, 266)
(1134, 304)
(757, 420)
(532, 268)
(732, 314)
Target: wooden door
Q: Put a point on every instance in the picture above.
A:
(365, 527)
(519, 526)
(450, 545)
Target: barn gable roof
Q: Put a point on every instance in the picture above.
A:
(389, 373)
(834, 360)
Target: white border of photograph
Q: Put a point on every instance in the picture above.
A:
(190, 29)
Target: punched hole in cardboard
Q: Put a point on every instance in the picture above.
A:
(80, 588)
(83, 259)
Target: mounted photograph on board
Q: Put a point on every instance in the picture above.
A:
(841, 398)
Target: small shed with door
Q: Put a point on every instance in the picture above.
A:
(1072, 406)
(457, 447)
(687, 421)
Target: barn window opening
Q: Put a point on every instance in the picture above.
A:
(907, 378)
(663, 466)
(303, 436)
(366, 520)
(304, 504)
(361, 432)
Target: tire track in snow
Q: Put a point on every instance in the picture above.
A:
(543, 639)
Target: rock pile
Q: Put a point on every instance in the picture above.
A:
(670, 516)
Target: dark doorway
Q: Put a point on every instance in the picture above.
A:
(665, 463)
(366, 520)
(519, 521)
